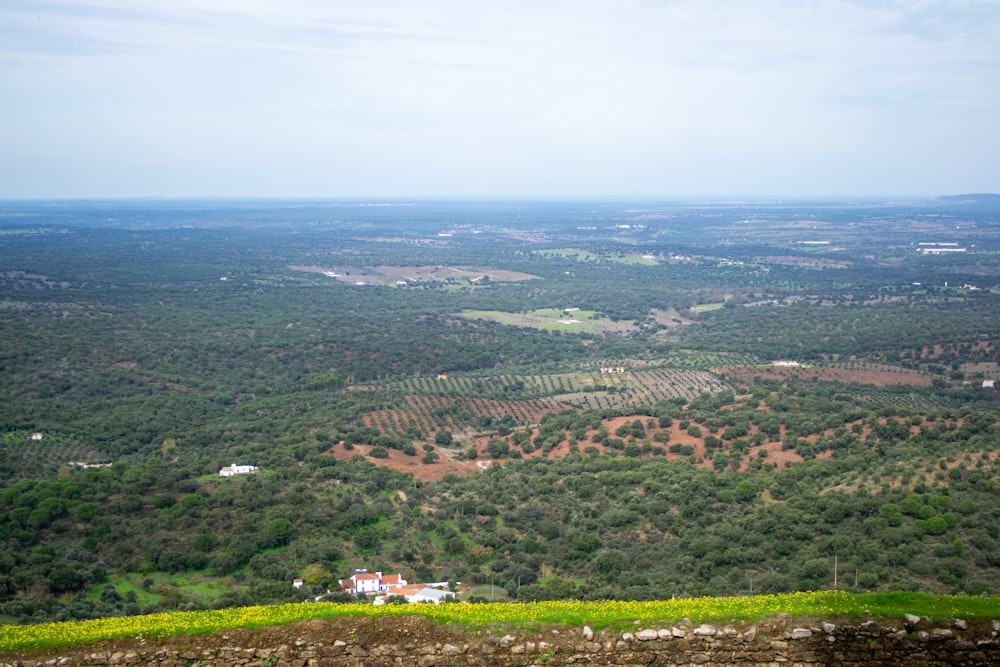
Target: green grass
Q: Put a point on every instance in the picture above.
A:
(568, 326)
(550, 318)
(191, 585)
(494, 315)
(825, 605)
(707, 307)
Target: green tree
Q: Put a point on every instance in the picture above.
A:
(276, 533)
(745, 491)
(497, 448)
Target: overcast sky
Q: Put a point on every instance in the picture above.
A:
(674, 98)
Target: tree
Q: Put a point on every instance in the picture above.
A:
(745, 491)
(455, 545)
(369, 537)
(66, 578)
(609, 563)
(497, 448)
(891, 513)
(317, 574)
(205, 541)
(587, 542)
(936, 525)
(276, 533)
(168, 447)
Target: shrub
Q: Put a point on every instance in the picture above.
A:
(745, 491)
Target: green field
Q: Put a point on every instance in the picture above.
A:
(707, 307)
(571, 320)
(157, 588)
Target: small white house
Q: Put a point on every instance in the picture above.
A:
(235, 469)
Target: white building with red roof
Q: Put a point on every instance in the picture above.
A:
(362, 582)
(233, 470)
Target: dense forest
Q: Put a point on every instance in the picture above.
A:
(526, 399)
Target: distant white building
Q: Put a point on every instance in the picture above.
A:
(235, 469)
(434, 595)
(416, 594)
(937, 250)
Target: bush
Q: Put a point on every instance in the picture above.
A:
(936, 525)
(745, 491)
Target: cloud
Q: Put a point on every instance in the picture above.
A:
(330, 97)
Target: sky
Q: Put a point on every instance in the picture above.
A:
(466, 98)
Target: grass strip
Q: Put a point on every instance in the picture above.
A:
(823, 605)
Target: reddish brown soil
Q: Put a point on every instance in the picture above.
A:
(448, 465)
(397, 460)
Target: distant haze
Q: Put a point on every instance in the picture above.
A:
(798, 98)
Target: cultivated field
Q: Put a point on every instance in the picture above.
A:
(571, 320)
(879, 375)
(389, 275)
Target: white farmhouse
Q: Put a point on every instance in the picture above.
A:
(362, 582)
(235, 469)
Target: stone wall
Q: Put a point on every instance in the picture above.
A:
(376, 642)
